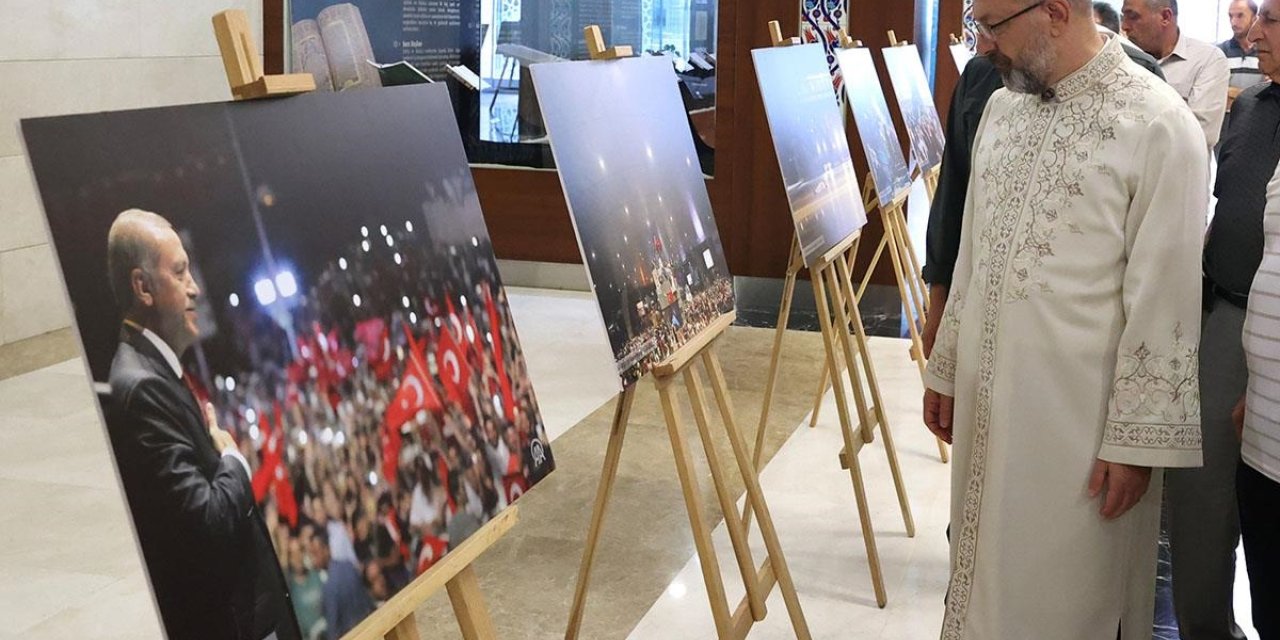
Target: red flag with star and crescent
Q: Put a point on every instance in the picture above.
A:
(415, 394)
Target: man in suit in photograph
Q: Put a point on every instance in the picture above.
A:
(207, 550)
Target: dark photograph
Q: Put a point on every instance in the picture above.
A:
(915, 103)
(809, 139)
(875, 126)
(639, 204)
(302, 349)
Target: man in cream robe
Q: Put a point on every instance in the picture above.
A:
(1065, 367)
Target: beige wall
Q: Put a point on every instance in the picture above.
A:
(75, 56)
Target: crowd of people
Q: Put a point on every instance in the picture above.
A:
(388, 422)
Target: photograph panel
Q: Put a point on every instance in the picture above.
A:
(639, 204)
(809, 138)
(915, 103)
(875, 125)
(305, 358)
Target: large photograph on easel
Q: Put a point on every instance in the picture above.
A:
(304, 356)
(915, 103)
(809, 139)
(639, 204)
(875, 126)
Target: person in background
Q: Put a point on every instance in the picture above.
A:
(1107, 16)
(346, 600)
(1242, 56)
(1197, 70)
(307, 588)
(1255, 417)
(1204, 528)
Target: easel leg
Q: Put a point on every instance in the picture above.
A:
(865, 420)
(784, 314)
(622, 412)
(468, 606)
(406, 630)
(732, 519)
(823, 381)
(860, 336)
(911, 267)
(693, 503)
(908, 307)
(755, 497)
(855, 470)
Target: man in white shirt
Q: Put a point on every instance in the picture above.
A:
(1197, 70)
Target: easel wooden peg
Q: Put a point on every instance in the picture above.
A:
(596, 49)
(775, 36)
(846, 41)
(954, 39)
(893, 40)
(244, 70)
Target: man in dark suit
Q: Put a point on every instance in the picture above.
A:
(206, 547)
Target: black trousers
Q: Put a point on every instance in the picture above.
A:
(1259, 500)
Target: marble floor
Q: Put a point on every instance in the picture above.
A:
(69, 566)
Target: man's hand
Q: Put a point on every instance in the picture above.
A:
(221, 439)
(938, 411)
(933, 319)
(1124, 485)
(1237, 418)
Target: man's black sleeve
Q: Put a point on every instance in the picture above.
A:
(946, 214)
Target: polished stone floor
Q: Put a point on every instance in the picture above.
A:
(69, 567)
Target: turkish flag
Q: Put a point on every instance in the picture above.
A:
(375, 336)
(273, 474)
(430, 552)
(514, 485)
(416, 393)
(455, 373)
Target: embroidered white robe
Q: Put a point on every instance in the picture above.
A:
(1070, 335)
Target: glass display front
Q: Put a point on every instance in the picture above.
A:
(483, 49)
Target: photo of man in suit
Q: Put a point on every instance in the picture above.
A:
(207, 549)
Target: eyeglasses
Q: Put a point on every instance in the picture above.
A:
(988, 31)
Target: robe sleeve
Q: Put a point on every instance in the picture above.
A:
(1153, 415)
(941, 372)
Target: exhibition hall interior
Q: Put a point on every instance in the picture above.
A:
(647, 319)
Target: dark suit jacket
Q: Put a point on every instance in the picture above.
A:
(206, 547)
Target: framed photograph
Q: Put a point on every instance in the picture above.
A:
(624, 149)
(302, 349)
(808, 133)
(915, 103)
(875, 126)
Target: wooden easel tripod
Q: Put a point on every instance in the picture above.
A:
(845, 342)
(681, 366)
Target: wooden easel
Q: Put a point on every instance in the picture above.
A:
(681, 365)
(395, 620)
(911, 291)
(244, 70)
(847, 349)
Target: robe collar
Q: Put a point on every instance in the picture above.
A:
(1081, 80)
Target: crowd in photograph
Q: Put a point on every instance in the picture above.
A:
(386, 419)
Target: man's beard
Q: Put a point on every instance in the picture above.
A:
(1030, 73)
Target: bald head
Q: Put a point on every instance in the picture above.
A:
(133, 243)
(151, 278)
(1152, 25)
